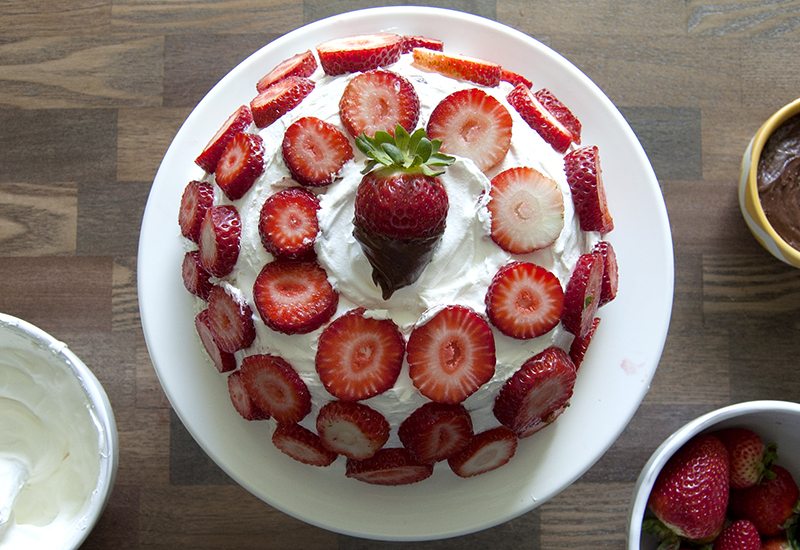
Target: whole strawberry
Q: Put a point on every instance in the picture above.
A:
(739, 535)
(770, 505)
(750, 457)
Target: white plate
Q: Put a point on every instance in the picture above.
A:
(612, 381)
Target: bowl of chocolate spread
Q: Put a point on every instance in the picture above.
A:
(769, 190)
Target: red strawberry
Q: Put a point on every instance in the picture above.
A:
(395, 466)
(230, 321)
(485, 452)
(770, 504)
(527, 210)
(750, 457)
(359, 53)
(539, 118)
(581, 343)
(302, 445)
(461, 67)
(223, 360)
(240, 165)
(278, 99)
(352, 429)
(537, 393)
(582, 295)
(302, 64)
(562, 113)
(610, 273)
(294, 297)
(690, 494)
(288, 223)
(451, 355)
(411, 42)
(197, 198)
(359, 357)
(739, 535)
(782, 542)
(514, 78)
(219, 239)
(436, 431)
(236, 123)
(195, 277)
(588, 193)
(470, 123)
(315, 151)
(276, 388)
(378, 100)
(524, 300)
(241, 400)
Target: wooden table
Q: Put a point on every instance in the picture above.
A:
(93, 91)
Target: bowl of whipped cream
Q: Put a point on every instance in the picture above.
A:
(58, 441)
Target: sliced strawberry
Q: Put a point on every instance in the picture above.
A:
(527, 210)
(230, 320)
(485, 452)
(580, 344)
(197, 198)
(220, 233)
(223, 360)
(610, 271)
(416, 41)
(359, 53)
(195, 277)
(294, 297)
(241, 400)
(359, 357)
(302, 445)
(470, 123)
(276, 388)
(315, 151)
(352, 429)
(524, 300)
(562, 113)
(451, 355)
(378, 100)
(461, 67)
(278, 99)
(514, 78)
(240, 165)
(436, 431)
(288, 223)
(302, 64)
(539, 118)
(393, 466)
(582, 295)
(588, 193)
(537, 393)
(236, 123)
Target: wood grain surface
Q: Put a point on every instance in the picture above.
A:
(93, 91)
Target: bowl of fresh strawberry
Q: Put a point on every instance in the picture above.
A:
(727, 480)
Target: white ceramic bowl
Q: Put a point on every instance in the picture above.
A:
(613, 379)
(774, 421)
(18, 334)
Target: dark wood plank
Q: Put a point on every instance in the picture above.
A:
(38, 219)
(314, 10)
(144, 135)
(43, 18)
(745, 19)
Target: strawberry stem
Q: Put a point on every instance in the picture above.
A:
(403, 151)
(668, 539)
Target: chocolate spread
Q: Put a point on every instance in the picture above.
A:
(779, 181)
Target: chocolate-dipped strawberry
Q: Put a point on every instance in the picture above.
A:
(400, 205)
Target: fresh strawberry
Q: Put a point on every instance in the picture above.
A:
(580, 344)
(359, 357)
(739, 535)
(195, 277)
(219, 239)
(451, 355)
(197, 198)
(511, 77)
(294, 297)
(231, 321)
(781, 542)
(588, 193)
(315, 151)
(769, 504)
(524, 300)
(470, 123)
(562, 113)
(278, 99)
(276, 388)
(223, 360)
(610, 272)
(302, 64)
(236, 123)
(378, 100)
(393, 466)
(240, 165)
(241, 400)
(460, 67)
(485, 452)
(582, 295)
(302, 445)
(359, 53)
(690, 494)
(411, 42)
(750, 457)
(539, 118)
(436, 431)
(537, 393)
(527, 210)
(352, 429)
(288, 223)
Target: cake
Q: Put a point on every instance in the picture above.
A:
(398, 256)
